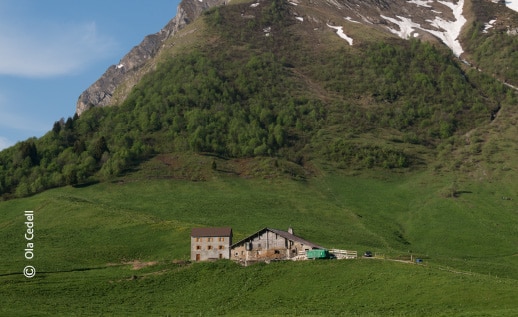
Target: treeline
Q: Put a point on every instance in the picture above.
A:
(247, 94)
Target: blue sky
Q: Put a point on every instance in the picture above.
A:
(52, 50)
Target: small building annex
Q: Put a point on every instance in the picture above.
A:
(270, 244)
(210, 243)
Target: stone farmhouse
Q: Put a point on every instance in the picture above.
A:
(210, 243)
(265, 245)
(270, 244)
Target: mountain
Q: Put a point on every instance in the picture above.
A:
(283, 88)
(428, 20)
(101, 92)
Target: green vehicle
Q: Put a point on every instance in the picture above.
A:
(319, 254)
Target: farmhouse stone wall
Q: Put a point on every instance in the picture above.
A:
(266, 246)
(210, 243)
(210, 248)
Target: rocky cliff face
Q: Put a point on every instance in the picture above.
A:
(101, 92)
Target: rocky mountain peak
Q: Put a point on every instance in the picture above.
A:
(101, 92)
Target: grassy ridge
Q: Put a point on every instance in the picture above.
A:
(85, 238)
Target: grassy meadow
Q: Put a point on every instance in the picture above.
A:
(122, 247)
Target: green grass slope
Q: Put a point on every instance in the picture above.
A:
(87, 239)
(351, 288)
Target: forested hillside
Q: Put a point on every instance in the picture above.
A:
(238, 93)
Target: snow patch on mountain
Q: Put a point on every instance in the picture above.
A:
(488, 26)
(340, 32)
(406, 26)
(422, 3)
(451, 28)
(512, 4)
(351, 20)
(447, 31)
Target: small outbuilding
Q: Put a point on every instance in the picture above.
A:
(210, 243)
(270, 244)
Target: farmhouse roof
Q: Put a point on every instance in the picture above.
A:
(211, 232)
(284, 234)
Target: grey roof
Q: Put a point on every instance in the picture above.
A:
(211, 232)
(284, 234)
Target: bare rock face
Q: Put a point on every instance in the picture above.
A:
(101, 92)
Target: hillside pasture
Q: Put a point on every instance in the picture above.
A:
(122, 248)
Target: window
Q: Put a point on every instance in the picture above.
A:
(221, 247)
(210, 239)
(237, 253)
(221, 239)
(198, 239)
(198, 247)
(209, 247)
(277, 252)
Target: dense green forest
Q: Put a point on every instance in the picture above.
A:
(493, 52)
(247, 95)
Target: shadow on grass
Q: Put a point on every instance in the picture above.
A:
(87, 184)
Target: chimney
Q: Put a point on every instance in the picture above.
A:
(290, 230)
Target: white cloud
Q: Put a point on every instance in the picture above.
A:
(4, 143)
(15, 121)
(49, 49)
(12, 120)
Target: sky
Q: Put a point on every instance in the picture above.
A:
(52, 50)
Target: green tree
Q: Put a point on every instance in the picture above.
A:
(100, 146)
(28, 150)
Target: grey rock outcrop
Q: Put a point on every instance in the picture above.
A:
(101, 92)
